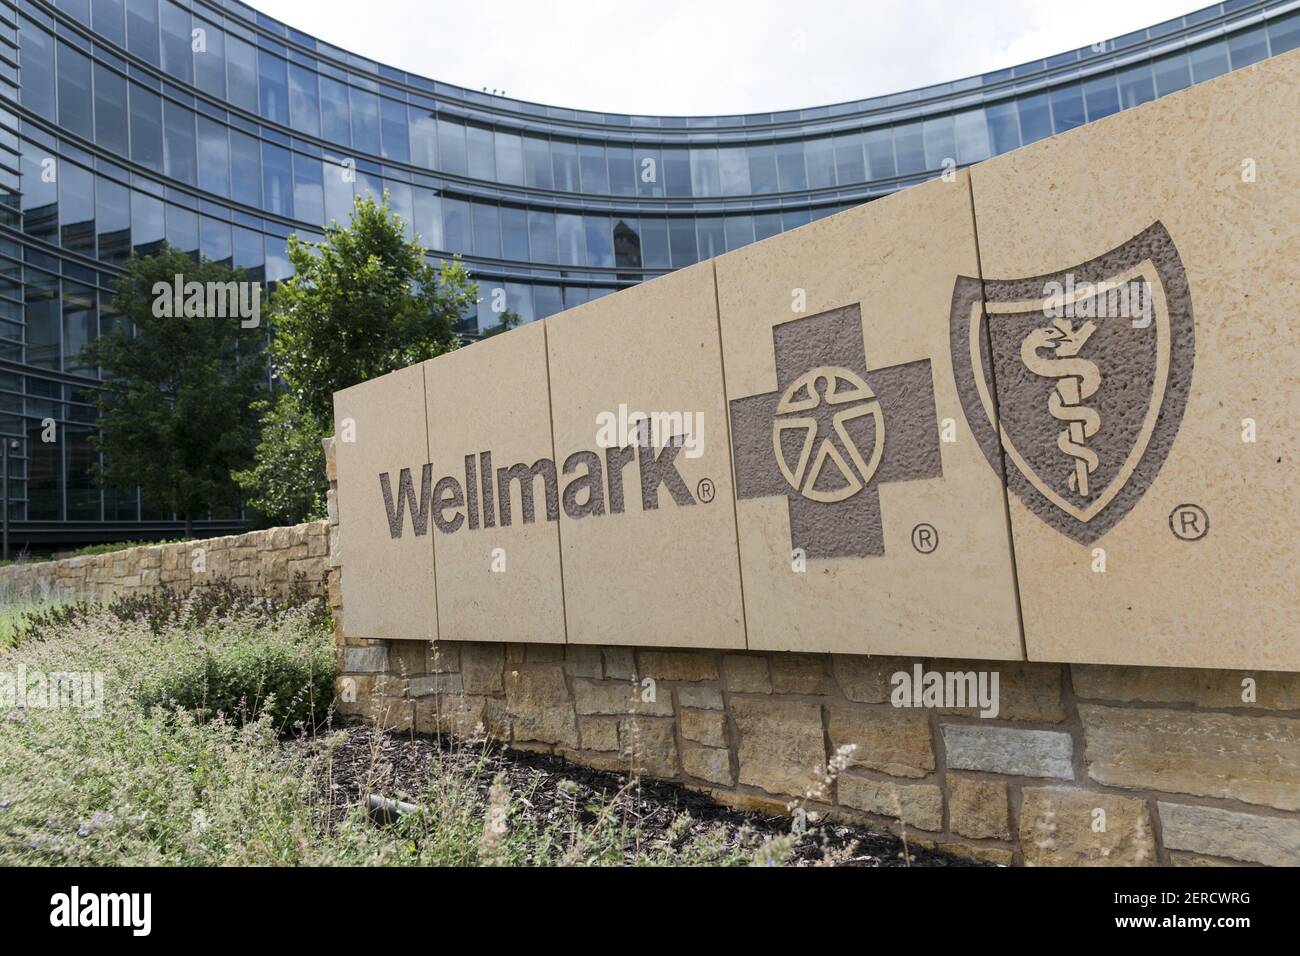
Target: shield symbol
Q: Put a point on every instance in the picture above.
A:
(1086, 374)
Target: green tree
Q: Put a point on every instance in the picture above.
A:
(176, 409)
(362, 303)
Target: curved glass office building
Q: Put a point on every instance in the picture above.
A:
(222, 131)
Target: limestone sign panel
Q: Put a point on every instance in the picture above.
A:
(1042, 409)
(1142, 354)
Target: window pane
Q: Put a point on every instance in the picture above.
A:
(1209, 61)
(40, 197)
(1136, 86)
(80, 325)
(1284, 33)
(304, 102)
(487, 230)
(392, 117)
(739, 231)
(537, 163)
(675, 168)
(519, 300)
(245, 169)
(1035, 117)
(177, 58)
(146, 127)
(43, 322)
(182, 229)
(627, 243)
(940, 145)
(107, 18)
(214, 157)
(649, 174)
(241, 73)
(564, 160)
(274, 86)
(654, 243)
(595, 174)
(210, 62)
(819, 154)
(482, 152)
(541, 236)
(1067, 108)
(142, 29)
(1101, 97)
(571, 238)
(509, 153)
(451, 147)
(309, 189)
(762, 171)
(972, 136)
(365, 120)
(75, 96)
(456, 225)
(600, 241)
(1004, 128)
(622, 175)
(909, 149)
(733, 170)
(113, 219)
(38, 70)
(215, 242)
(77, 208)
(790, 172)
(423, 128)
(336, 126)
(546, 299)
(850, 167)
(766, 224)
(427, 213)
(1172, 74)
(682, 242)
(514, 233)
(147, 226)
(711, 235)
(879, 145)
(179, 151)
(110, 111)
(1246, 48)
(249, 255)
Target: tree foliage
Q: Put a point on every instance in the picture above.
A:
(177, 415)
(362, 303)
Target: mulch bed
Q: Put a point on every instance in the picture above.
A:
(398, 766)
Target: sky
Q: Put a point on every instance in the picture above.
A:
(710, 56)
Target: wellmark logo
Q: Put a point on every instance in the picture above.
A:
(1086, 373)
(832, 432)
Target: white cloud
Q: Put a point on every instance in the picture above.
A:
(697, 57)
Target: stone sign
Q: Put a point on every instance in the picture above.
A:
(1041, 409)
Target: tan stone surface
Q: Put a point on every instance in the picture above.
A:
(1273, 841)
(1228, 600)
(867, 679)
(667, 576)
(977, 808)
(678, 665)
(1271, 690)
(476, 600)
(896, 259)
(746, 674)
(1026, 690)
(781, 746)
(917, 805)
(538, 702)
(799, 673)
(1058, 827)
(648, 745)
(389, 589)
(708, 763)
(1255, 759)
(708, 727)
(887, 739)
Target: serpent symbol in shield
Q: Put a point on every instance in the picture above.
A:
(1075, 383)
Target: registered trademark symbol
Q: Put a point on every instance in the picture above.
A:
(705, 490)
(1189, 522)
(925, 538)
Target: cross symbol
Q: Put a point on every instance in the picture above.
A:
(832, 432)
